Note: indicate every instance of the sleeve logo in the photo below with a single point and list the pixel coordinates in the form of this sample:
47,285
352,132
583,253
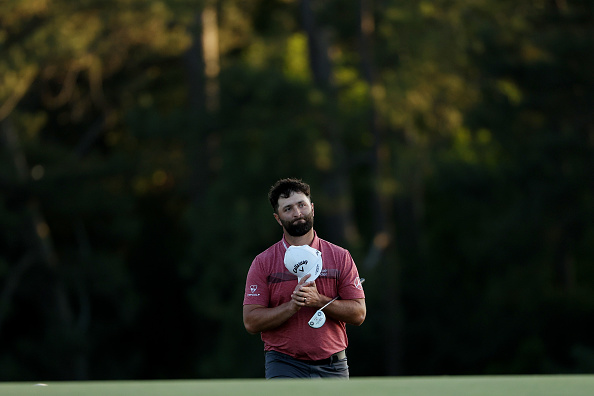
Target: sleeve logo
253,289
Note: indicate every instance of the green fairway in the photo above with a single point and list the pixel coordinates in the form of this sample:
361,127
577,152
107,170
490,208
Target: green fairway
562,385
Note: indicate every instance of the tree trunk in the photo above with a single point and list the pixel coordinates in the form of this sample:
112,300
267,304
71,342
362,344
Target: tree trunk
60,316
383,250
203,68
210,46
336,182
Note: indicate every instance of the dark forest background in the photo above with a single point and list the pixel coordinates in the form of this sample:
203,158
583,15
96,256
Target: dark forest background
449,145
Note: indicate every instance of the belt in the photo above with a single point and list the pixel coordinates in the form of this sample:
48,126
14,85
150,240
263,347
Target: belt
332,359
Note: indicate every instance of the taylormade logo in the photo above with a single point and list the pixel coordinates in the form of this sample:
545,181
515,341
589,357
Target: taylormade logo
304,262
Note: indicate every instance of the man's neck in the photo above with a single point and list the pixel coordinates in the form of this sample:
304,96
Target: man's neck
306,239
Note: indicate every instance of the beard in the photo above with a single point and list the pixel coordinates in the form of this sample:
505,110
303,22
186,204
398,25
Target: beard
297,228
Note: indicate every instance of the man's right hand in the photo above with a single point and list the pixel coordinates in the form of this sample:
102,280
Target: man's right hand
257,318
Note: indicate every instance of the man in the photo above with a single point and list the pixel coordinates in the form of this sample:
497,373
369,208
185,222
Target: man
279,307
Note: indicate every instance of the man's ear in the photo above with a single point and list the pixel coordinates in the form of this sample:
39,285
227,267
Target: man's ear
277,219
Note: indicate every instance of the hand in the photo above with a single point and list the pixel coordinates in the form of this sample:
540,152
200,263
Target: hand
306,294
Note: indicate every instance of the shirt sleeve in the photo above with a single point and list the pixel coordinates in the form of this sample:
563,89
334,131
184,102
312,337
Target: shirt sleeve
256,286
350,287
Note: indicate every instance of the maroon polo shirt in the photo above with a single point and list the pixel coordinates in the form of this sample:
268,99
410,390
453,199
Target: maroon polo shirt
270,284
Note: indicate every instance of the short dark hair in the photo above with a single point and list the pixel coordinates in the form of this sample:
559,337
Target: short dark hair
284,188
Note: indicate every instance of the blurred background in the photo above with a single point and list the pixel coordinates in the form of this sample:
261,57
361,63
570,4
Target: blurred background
449,145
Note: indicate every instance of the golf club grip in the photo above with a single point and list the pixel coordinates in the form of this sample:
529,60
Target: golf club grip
334,299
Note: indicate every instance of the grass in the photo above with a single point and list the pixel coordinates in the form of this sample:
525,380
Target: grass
553,385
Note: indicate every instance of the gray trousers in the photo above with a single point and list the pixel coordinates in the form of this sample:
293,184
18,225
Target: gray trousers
279,365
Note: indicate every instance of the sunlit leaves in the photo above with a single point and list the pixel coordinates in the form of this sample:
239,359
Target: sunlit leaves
296,58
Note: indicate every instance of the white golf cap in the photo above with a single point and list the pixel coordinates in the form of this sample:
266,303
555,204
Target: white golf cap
303,260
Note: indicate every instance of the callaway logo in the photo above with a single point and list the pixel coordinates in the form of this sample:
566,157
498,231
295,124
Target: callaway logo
302,263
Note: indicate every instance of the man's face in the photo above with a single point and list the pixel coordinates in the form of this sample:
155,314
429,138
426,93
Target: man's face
295,214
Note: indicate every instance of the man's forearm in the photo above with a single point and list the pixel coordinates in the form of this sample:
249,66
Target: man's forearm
257,319
348,311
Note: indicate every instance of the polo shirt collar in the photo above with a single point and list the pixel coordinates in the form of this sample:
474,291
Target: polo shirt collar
315,243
